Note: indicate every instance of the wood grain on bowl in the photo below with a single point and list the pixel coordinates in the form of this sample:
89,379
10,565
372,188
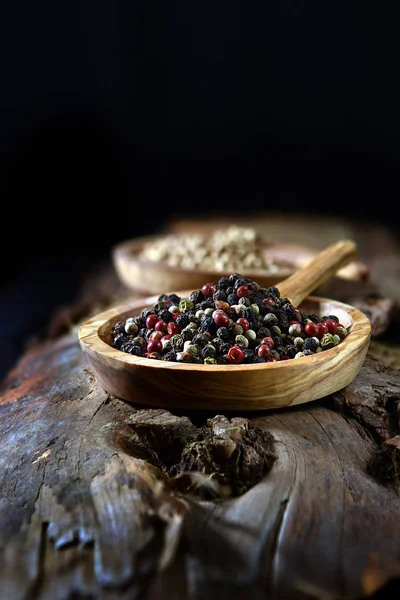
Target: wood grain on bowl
225,387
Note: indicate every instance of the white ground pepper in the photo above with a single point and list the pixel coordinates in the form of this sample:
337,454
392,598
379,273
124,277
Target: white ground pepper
231,249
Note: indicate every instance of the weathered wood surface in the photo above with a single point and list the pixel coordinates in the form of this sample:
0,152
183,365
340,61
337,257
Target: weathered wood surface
93,506
83,513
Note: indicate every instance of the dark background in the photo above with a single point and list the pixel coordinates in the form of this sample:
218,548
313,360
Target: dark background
118,116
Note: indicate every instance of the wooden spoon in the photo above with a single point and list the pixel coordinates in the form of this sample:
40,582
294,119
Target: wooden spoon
236,387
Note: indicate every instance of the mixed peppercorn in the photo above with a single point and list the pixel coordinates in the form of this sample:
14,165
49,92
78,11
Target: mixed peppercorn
232,322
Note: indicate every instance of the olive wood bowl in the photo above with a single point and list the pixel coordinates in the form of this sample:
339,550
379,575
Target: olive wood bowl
235,387
154,277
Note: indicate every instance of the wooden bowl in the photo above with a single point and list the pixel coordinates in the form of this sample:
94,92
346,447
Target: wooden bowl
152,277
225,387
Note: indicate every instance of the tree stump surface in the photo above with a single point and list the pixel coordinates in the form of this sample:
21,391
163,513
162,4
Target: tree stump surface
104,500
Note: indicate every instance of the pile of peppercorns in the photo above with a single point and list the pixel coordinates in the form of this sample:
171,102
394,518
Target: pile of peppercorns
232,322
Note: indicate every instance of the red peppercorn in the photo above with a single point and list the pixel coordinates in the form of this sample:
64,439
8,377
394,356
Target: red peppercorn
155,335
285,357
244,323
154,346
269,341
332,326
154,355
208,289
151,321
165,337
235,355
173,328
264,351
175,315
322,330
243,291
311,329
161,326
272,359
221,319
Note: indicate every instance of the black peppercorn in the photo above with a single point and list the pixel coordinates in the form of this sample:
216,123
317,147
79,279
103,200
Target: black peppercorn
206,304
165,315
200,339
250,315
273,291
263,332
291,350
224,348
170,356
232,299
174,299
207,323
223,333
248,356
332,317
136,350
223,283
208,351
119,327
119,340
310,344
182,320
253,286
219,295
196,296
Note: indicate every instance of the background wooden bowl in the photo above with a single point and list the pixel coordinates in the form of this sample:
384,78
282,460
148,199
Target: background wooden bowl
156,277
225,387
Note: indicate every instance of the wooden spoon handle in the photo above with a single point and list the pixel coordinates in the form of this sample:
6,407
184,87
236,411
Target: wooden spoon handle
300,285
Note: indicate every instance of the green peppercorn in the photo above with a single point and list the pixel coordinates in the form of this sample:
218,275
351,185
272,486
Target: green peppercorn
191,348
276,355
295,330
255,308
341,332
191,326
299,355
337,339
316,340
250,334
327,341
298,341
241,340
209,311
271,319
319,349
210,361
173,308
185,357
275,330
240,309
131,326
166,345
185,304
200,313
176,339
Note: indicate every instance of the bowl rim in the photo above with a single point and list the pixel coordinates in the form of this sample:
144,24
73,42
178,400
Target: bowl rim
90,338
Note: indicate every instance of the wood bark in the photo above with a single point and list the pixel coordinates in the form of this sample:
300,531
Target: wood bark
101,499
